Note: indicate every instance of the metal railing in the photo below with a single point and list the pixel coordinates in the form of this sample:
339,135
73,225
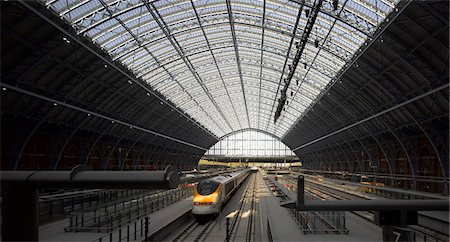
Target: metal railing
57,206
115,216
311,222
138,229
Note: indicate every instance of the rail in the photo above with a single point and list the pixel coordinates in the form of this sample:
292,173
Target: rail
56,206
310,222
421,232
118,215
248,200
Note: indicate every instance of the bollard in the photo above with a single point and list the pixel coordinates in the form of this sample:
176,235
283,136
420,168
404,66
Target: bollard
300,191
146,227
134,230
128,232
51,209
62,206
98,219
227,236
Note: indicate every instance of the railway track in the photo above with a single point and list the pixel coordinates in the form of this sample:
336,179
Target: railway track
325,192
241,226
195,231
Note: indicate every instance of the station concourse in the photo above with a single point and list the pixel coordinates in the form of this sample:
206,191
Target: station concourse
233,120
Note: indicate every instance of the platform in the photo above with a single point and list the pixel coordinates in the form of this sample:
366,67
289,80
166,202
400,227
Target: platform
158,220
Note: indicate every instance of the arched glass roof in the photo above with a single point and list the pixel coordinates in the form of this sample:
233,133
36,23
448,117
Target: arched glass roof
221,62
249,143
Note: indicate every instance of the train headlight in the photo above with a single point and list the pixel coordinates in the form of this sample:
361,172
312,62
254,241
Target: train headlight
196,203
208,203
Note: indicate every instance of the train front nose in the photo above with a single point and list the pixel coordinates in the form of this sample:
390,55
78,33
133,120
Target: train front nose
205,209
201,210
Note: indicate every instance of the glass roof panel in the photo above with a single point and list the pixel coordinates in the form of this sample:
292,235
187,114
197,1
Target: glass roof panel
224,67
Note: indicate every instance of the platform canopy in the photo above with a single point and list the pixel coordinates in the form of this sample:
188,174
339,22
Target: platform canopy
222,62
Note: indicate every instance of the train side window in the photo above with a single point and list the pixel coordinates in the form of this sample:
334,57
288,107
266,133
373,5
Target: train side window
207,187
228,187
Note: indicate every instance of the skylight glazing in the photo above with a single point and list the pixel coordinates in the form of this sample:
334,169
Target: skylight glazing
221,61
250,143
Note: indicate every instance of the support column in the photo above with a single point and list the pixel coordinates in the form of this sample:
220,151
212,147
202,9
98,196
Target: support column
20,210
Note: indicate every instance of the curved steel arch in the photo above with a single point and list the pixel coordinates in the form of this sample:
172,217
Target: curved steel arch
128,29
249,129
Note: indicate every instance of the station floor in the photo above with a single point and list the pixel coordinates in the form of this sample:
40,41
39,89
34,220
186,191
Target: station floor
283,226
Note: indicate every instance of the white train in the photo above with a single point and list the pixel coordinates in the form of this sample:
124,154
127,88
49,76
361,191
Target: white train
211,194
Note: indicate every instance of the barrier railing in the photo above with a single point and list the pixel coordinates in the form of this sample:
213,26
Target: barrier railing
311,222
118,215
57,206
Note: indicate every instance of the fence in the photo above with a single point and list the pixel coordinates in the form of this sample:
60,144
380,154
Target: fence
116,216
56,206
311,222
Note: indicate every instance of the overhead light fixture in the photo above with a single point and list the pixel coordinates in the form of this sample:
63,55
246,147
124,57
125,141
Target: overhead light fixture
335,4
300,47
66,40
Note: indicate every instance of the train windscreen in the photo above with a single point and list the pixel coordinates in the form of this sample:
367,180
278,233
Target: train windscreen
207,187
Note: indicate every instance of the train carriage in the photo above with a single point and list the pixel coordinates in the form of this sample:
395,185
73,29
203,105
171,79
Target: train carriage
211,194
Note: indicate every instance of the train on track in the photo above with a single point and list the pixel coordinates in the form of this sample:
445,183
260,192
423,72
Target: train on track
211,194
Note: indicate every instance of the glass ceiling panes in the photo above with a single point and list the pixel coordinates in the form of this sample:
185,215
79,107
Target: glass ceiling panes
186,51
250,143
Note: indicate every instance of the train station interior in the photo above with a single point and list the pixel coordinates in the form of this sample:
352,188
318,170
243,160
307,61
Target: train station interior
224,120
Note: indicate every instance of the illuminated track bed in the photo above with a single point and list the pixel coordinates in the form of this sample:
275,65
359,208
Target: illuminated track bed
241,225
